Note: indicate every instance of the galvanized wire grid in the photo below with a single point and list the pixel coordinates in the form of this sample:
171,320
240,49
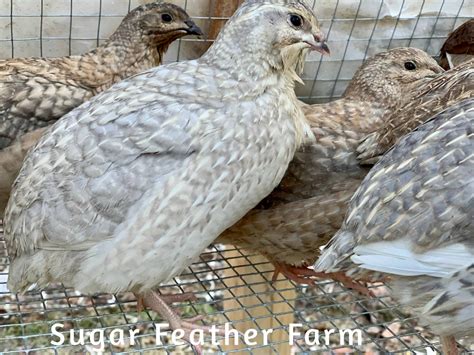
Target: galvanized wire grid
26,320
356,29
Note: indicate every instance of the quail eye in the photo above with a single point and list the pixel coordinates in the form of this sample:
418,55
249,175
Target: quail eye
410,66
296,20
166,18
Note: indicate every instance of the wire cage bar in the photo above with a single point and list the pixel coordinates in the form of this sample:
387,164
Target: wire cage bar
356,29
231,285
324,315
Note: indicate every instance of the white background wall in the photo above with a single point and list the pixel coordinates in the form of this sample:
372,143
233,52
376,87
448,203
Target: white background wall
356,29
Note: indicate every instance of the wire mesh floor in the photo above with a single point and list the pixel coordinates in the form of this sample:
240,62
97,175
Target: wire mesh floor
232,286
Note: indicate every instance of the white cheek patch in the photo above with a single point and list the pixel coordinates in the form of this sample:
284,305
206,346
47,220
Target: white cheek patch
397,257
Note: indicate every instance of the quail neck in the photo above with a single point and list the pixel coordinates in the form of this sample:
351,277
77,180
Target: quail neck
122,55
254,55
113,63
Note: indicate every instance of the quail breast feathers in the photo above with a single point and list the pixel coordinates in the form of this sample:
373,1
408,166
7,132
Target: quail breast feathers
126,191
308,207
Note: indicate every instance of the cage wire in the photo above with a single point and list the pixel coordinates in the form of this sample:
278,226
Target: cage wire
356,29
231,285
223,291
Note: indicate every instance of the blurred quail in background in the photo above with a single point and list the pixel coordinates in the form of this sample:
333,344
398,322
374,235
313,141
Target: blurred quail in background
459,47
411,223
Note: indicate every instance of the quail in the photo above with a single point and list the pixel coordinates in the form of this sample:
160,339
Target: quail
124,192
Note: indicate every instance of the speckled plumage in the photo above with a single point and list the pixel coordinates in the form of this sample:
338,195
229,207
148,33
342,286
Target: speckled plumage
430,98
128,189
446,304
11,159
308,207
220,11
35,92
412,218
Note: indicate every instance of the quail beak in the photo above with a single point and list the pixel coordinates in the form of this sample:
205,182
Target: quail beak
317,42
193,29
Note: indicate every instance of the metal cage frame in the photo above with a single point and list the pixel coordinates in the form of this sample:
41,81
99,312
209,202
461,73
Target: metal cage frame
227,280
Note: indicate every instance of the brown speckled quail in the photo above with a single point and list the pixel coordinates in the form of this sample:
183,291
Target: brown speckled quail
308,207
35,92
412,222
430,98
124,192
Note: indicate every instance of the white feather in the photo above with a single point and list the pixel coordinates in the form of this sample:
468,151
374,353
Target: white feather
3,284
397,257
450,61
